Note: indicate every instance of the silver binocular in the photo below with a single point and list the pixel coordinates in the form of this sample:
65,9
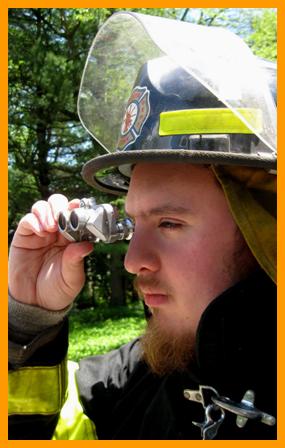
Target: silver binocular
92,222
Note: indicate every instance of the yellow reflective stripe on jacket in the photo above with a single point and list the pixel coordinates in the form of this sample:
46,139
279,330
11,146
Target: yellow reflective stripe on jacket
209,121
37,390
73,424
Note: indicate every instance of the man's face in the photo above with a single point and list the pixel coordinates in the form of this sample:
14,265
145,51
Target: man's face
186,248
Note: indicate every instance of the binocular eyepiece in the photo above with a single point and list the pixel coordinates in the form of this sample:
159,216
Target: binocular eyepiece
92,222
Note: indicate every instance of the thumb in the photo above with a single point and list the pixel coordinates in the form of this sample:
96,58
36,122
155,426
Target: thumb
74,253
73,264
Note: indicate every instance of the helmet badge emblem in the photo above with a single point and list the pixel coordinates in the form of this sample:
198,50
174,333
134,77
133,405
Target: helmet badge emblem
137,112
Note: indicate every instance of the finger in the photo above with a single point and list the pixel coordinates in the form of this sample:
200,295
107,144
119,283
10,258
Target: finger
74,203
29,225
43,212
58,203
28,232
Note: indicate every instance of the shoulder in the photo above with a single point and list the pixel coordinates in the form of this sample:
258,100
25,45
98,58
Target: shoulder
110,371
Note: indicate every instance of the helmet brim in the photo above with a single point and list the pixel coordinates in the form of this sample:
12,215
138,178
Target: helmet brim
103,172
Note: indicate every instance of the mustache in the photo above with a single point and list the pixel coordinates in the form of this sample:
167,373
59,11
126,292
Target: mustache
141,283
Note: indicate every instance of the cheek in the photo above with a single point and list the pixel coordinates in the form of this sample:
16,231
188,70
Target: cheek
187,264
199,262
194,264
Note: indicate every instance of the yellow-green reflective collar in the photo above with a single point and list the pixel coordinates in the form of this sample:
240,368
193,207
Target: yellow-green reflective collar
73,424
209,121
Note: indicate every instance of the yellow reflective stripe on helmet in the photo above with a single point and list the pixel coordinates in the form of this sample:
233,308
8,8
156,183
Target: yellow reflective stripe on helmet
209,121
73,424
37,390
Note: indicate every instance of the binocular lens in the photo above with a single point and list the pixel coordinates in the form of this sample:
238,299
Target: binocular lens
62,224
74,220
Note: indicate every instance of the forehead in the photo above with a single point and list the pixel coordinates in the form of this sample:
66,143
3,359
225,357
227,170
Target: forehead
179,185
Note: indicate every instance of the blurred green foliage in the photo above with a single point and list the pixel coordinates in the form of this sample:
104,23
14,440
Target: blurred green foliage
95,331
263,40
47,144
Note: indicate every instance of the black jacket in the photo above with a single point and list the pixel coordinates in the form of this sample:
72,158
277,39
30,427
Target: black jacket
235,352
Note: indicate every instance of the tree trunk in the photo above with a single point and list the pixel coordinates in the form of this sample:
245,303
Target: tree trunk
42,165
117,281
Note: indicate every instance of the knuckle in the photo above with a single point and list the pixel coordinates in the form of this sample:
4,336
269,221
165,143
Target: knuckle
39,205
27,222
57,200
57,197
57,203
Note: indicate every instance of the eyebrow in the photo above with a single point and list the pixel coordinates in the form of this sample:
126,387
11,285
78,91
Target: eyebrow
167,209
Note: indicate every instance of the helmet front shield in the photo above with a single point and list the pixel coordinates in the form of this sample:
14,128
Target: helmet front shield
125,61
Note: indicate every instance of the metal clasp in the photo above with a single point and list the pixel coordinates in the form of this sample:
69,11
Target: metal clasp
212,402
244,410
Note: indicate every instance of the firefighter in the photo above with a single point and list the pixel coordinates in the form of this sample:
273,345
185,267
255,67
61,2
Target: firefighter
187,116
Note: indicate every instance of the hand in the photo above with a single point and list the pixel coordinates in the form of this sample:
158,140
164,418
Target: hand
45,269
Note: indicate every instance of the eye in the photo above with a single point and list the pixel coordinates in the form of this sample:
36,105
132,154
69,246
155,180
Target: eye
171,225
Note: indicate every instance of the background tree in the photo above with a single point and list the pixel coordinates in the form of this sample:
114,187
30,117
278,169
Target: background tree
263,40
257,26
47,143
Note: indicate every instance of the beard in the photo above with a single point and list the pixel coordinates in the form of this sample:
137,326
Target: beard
167,348
165,351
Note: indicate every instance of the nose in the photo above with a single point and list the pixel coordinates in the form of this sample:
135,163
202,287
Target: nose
142,254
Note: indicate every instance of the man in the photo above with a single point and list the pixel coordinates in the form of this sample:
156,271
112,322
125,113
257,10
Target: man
201,194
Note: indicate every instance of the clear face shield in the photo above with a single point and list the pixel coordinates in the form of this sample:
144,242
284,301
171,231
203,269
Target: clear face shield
216,58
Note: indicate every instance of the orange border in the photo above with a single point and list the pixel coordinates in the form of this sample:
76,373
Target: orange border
3,221
4,5
138,4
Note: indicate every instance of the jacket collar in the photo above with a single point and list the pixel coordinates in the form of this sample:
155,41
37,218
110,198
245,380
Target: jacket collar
236,338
